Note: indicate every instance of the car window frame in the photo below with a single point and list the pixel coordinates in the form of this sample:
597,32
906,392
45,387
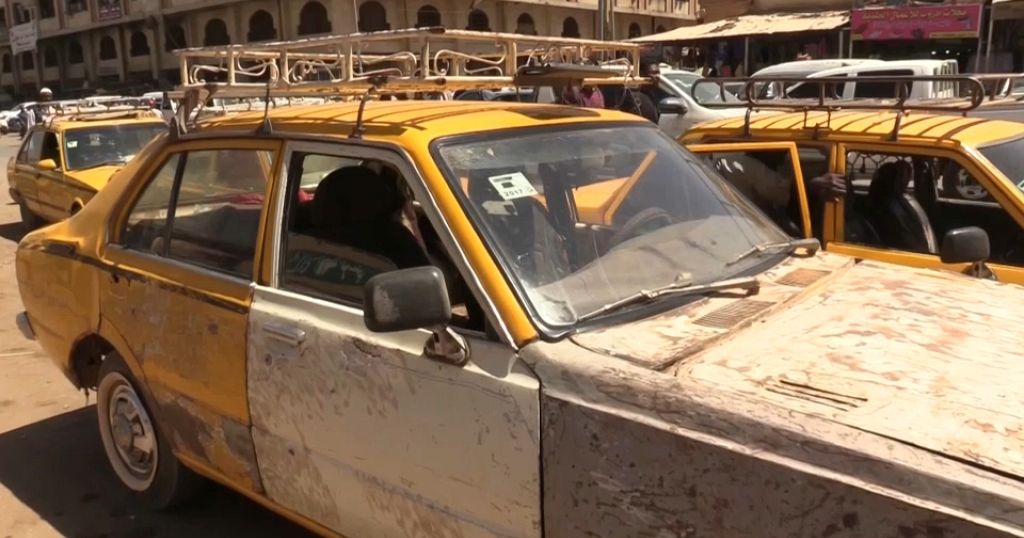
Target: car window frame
27,144
794,155
166,266
273,242
1009,198
60,150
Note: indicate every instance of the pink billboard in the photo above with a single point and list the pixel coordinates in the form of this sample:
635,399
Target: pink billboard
916,22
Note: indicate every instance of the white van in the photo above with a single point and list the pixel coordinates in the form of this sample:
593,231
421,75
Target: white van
859,89
802,68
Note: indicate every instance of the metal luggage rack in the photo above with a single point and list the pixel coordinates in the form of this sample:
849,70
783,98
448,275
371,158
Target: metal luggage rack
416,60
969,92
116,112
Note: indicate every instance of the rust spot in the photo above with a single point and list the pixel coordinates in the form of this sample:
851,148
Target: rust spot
213,328
220,442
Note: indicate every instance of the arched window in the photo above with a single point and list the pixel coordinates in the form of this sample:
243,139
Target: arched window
660,29
428,16
174,37
27,61
313,19
216,33
478,21
108,49
373,17
7,63
570,28
138,45
524,25
75,55
634,30
50,56
261,26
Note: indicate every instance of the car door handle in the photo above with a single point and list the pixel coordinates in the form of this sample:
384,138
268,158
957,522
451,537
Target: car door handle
289,335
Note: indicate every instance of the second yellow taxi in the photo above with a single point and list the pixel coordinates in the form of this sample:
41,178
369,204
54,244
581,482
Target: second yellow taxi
65,161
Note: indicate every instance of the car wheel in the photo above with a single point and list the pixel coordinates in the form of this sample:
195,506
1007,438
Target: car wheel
135,448
28,218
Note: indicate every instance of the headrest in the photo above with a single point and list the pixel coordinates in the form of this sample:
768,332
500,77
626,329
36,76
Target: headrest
353,194
891,180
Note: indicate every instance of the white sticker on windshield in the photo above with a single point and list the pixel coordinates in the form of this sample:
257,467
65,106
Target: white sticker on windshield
72,144
512,186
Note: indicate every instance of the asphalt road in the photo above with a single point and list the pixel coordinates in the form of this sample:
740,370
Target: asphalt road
54,477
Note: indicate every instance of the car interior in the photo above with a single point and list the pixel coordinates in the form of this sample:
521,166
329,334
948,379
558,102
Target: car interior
348,220
898,203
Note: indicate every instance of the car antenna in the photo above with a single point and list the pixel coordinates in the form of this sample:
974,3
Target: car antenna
266,128
375,84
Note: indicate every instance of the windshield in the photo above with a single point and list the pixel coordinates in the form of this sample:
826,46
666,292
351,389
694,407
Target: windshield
706,92
114,144
1006,157
583,217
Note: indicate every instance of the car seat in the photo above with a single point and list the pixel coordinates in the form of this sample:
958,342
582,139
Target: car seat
895,215
355,206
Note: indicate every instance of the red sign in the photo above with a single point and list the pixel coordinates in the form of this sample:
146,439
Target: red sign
918,22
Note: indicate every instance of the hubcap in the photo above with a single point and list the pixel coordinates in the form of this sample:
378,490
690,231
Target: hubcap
128,433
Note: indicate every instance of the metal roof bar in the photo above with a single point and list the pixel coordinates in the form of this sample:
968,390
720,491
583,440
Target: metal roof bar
971,94
428,59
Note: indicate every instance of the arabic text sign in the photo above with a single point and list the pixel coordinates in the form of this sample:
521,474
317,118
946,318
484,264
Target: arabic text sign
908,23
23,37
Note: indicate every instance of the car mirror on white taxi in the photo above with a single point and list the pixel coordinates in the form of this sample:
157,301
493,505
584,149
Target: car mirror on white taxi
406,299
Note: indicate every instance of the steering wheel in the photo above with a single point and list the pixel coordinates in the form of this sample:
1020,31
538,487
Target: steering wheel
651,218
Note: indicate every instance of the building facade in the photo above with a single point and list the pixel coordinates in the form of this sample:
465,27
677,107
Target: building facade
83,45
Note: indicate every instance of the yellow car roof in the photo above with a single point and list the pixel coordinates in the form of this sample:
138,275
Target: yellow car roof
421,120
869,125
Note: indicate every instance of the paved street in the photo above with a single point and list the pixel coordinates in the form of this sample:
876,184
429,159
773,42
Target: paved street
54,477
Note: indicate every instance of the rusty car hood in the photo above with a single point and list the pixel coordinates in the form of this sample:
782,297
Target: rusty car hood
926,358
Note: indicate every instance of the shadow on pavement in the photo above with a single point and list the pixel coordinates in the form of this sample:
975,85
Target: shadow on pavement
58,469
13,231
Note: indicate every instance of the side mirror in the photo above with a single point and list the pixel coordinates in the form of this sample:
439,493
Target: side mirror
47,165
672,105
965,245
406,299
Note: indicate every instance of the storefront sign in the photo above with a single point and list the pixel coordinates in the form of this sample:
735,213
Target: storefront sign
23,37
108,9
916,22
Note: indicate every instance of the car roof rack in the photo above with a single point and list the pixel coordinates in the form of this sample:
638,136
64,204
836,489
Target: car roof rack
411,60
969,92
429,60
77,114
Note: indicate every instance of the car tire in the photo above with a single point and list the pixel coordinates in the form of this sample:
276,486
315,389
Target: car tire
28,218
135,447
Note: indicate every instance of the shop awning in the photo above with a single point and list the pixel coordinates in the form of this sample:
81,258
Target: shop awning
754,25
1008,9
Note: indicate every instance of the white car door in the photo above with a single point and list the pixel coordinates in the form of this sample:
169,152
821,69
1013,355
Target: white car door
360,431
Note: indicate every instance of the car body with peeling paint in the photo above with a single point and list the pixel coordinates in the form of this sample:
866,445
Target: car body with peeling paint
412,332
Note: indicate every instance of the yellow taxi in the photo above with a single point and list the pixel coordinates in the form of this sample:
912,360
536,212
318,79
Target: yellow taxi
908,182
63,163
396,318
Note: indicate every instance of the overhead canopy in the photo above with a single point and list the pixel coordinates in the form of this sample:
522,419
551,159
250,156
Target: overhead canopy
754,25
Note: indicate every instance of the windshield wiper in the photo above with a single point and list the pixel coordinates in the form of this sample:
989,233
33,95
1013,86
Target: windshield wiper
810,245
682,286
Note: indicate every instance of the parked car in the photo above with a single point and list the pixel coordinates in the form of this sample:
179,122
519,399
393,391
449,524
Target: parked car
63,163
956,172
504,364
680,109
803,68
10,122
